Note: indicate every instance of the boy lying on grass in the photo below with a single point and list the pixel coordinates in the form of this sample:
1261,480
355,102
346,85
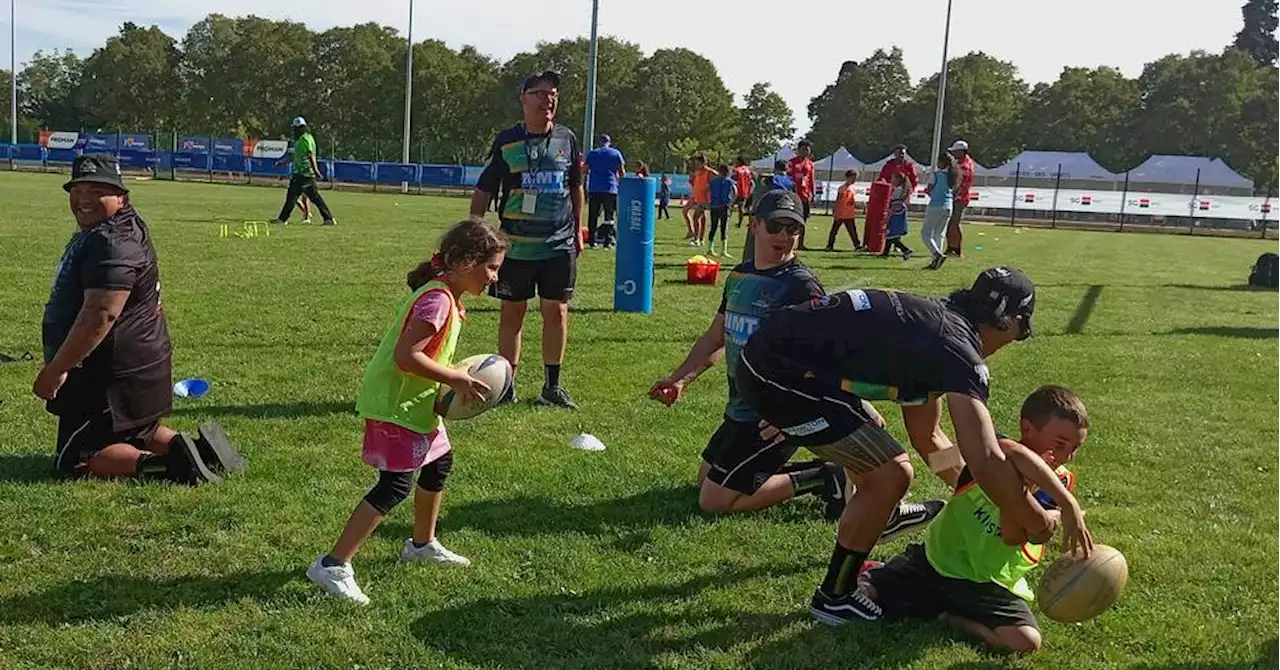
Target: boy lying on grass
971,570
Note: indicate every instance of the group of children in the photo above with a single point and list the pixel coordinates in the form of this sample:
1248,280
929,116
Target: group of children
970,570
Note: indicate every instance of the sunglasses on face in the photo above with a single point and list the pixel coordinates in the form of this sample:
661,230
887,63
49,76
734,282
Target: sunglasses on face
791,227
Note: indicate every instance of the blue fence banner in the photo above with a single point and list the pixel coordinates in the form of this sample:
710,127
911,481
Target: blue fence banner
471,176
396,173
29,152
61,155
229,146
97,143
352,171
229,162
193,144
633,272
267,166
441,175
136,142
137,159
191,160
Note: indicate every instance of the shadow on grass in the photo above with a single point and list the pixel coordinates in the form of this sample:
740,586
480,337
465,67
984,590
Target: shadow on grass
639,627
1267,659
112,596
27,468
1234,287
293,410
1243,332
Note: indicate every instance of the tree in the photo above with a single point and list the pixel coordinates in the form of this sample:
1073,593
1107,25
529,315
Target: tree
359,93
452,122
985,100
858,110
1258,36
46,89
131,83
765,121
679,94
1088,110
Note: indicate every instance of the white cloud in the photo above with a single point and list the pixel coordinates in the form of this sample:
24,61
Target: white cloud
798,50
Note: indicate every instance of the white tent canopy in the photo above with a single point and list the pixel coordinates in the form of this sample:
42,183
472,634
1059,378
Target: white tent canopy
1162,169
839,161
784,153
1076,165
878,165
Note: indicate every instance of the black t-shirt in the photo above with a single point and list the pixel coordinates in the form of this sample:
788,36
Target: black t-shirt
887,345
532,175
116,254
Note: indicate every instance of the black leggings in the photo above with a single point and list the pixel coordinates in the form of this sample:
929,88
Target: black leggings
298,186
719,217
662,211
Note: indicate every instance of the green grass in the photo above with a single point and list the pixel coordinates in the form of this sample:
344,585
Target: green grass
601,560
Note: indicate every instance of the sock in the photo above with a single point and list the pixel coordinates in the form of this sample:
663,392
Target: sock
416,545
808,481
842,572
553,375
329,561
153,466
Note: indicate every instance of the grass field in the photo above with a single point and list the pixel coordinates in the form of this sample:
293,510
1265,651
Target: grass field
601,560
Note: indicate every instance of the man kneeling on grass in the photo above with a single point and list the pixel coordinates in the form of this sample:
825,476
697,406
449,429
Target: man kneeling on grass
971,570
107,360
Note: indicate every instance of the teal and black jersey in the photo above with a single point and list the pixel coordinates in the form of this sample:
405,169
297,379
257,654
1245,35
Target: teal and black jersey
749,295
533,175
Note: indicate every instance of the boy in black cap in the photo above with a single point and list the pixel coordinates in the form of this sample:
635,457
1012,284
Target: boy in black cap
810,370
107,373
535,172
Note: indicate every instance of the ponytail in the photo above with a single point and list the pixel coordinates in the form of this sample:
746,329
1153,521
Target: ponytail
426,271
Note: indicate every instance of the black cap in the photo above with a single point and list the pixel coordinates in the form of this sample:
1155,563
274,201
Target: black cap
1002,292
548,76
780,204
97,168
899,146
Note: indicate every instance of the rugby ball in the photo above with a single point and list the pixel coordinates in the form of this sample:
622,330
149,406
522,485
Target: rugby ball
493,370
1077,589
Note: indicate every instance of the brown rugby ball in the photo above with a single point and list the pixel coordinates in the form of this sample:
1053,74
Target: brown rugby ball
1078,589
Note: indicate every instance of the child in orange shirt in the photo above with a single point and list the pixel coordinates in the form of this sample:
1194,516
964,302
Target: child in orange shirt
846,209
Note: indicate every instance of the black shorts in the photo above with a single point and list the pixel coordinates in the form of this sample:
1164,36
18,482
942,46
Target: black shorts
740,201
909,587
550,278
740,460
805,203
598,201
816,412
80,436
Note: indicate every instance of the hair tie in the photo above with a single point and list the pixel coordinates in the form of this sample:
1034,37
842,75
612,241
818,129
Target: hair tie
437,262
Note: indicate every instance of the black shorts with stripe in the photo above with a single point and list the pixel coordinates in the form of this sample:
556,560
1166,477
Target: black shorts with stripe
816,412
740,459
82,435
908,587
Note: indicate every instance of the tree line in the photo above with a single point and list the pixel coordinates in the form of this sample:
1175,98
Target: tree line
248,76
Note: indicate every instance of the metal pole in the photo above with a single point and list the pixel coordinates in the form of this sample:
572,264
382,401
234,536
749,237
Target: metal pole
1056,181
1124,197
589,127
942,91
408,97
1195,196
831,167
13,73
1013,205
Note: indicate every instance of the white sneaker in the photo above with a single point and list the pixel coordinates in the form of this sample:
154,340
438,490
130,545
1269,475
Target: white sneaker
432,552
306,219
340,580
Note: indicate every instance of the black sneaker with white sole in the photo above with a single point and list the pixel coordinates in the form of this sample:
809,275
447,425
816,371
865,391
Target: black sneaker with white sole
911,516
855,605
184,464
216,450
555,396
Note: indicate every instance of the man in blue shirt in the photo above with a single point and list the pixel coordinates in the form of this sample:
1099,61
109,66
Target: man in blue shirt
604,167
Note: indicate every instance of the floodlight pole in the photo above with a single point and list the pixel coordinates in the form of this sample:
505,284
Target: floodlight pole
408,98
13,72
942,92
589,127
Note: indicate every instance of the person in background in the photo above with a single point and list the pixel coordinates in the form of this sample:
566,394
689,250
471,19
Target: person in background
664,197
744,180
955,237
936,215
305,173
800,169
305,206
723,195
642,169
900,164
604,168
898,200
845,211
700,181
770,182
535,169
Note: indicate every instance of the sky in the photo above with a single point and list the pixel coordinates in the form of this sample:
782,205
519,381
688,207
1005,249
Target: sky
749,40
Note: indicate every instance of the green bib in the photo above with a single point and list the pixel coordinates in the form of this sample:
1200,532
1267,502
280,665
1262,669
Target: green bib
964,543
389,394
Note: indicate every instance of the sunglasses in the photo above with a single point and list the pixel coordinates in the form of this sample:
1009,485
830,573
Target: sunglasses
791,227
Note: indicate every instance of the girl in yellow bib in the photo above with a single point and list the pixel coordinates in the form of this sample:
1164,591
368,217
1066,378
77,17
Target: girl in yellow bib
402,432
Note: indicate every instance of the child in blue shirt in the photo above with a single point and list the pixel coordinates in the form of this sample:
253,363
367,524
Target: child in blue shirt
723,193
664,196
